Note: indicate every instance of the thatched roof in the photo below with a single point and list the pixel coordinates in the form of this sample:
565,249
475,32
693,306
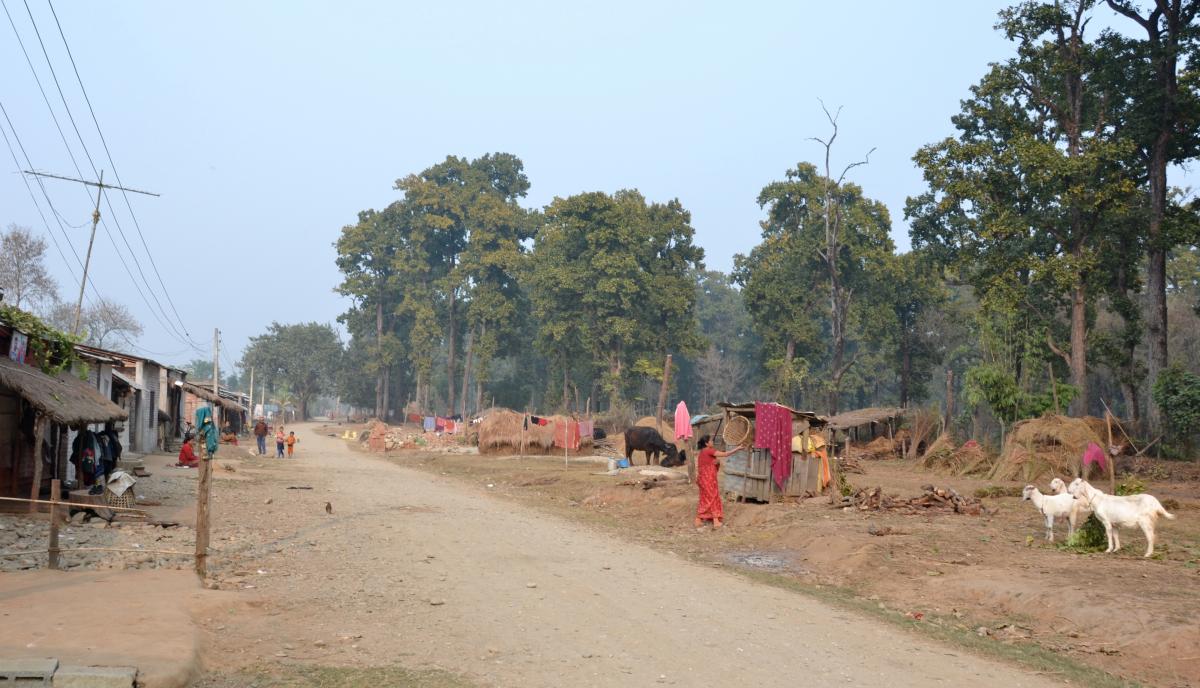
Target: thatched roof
63,398
853,419
208,396
501,432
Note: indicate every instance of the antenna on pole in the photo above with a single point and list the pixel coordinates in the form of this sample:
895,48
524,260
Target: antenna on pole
100,187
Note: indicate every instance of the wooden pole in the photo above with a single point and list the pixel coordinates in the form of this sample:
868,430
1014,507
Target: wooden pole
39,427
1053,387
948,419
835,494
78,505
1108,455
205,484
55,496
662,392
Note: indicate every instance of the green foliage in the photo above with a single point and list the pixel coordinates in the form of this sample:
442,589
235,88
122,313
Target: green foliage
53,350
996,387
1131,485
1177,393
1089,537
305,358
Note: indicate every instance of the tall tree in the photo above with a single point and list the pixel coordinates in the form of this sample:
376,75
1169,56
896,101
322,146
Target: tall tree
1024,193
1165,124
24,279
305,357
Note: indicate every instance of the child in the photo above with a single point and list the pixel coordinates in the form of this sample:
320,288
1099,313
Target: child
187,457
291,443
279,441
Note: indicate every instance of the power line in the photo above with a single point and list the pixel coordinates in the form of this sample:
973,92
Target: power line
137,225
170,329
132,254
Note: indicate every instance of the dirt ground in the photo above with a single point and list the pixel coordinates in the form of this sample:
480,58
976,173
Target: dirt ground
992,576
446,582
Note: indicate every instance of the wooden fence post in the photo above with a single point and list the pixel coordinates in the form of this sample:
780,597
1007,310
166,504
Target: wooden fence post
202,492
55,496
39,427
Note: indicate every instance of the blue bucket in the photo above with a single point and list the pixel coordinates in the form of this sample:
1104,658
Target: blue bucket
622,463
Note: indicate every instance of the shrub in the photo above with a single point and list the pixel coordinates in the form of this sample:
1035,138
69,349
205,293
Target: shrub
1177,393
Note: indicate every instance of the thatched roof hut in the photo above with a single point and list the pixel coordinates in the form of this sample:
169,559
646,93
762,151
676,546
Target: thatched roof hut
1051,446
501,432
62,398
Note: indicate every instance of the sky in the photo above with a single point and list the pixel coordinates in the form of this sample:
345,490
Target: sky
265,127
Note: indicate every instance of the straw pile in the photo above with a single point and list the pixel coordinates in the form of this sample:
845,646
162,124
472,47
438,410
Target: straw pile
500,432
876,449
923,424
969,459
668,426
1050,446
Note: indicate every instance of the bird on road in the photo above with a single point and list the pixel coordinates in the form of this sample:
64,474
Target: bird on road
328,508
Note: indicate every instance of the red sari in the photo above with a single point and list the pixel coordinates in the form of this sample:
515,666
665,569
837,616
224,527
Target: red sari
709,507
187,457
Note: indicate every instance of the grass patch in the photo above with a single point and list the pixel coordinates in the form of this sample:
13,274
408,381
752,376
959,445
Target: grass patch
1089,537
997,491
298,676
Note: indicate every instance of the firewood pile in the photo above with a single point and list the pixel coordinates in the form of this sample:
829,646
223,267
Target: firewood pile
849,464
932,499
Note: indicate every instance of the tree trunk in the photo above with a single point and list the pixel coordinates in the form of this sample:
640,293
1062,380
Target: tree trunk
302,402
451,353
1079,406
1130,392
466,376
380,375
948,422
387,392
905,368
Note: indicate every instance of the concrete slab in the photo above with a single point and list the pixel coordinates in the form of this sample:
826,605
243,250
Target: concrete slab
94,677
27,671
111,618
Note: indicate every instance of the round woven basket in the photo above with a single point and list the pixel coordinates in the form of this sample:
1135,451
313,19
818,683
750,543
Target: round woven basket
739,432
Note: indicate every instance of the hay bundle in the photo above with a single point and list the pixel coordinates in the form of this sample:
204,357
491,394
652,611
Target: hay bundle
668,427
1050,446
969,459
500,432
923,424
878,448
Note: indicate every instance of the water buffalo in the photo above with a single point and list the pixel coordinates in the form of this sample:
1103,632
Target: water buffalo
649,442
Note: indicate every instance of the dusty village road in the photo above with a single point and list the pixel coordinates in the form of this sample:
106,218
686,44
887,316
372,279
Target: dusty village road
414,570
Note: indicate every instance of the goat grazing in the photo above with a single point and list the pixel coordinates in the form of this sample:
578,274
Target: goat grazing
1140,510
1053,506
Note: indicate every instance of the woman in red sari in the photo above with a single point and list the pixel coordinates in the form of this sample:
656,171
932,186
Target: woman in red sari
707,463
187,457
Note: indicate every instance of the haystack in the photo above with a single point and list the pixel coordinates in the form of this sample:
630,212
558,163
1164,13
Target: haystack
500,432
1050,446
668,427
968,459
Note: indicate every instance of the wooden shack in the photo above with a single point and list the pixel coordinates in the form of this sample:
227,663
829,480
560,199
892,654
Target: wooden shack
747,474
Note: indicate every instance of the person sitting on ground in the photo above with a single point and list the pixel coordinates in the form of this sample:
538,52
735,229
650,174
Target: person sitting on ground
187,457
291,443
709,508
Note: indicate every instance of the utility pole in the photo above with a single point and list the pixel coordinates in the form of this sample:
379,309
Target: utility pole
251,409
100,187
205,484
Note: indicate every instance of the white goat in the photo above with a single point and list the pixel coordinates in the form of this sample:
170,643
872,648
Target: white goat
1052,506
1140,510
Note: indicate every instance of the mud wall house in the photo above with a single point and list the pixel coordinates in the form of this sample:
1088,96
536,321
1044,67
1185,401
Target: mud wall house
228,404
170,406
137,383
38,412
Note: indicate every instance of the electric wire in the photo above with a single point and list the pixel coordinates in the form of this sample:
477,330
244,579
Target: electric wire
132,254
104,142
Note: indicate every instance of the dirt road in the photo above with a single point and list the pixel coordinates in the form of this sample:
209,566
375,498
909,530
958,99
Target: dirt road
415,570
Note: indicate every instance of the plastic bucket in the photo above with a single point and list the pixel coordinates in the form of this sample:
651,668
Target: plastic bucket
623,463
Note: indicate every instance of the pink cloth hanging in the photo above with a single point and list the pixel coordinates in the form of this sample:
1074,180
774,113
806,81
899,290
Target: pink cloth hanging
683,422
1094,455
773,431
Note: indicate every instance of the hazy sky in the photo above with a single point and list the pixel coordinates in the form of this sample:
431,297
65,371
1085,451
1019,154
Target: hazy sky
267,126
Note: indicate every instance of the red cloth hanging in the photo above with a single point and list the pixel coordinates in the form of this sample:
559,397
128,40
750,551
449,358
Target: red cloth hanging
773,432
566,434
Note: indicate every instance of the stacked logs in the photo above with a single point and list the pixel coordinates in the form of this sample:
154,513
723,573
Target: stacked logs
932,499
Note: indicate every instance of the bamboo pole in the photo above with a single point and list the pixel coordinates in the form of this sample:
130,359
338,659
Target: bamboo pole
1108,457
662,393
55,496
97,549
78,505
39,427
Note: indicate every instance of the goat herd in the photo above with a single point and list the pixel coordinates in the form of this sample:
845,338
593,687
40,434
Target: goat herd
1079,499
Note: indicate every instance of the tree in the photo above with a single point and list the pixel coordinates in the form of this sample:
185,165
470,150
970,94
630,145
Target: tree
102,322
24,280
611,287
814,276
1021,200
305,358
199,369
914,292
1164,123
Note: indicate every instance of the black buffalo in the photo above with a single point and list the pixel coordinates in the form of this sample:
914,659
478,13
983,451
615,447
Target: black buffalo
649,442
